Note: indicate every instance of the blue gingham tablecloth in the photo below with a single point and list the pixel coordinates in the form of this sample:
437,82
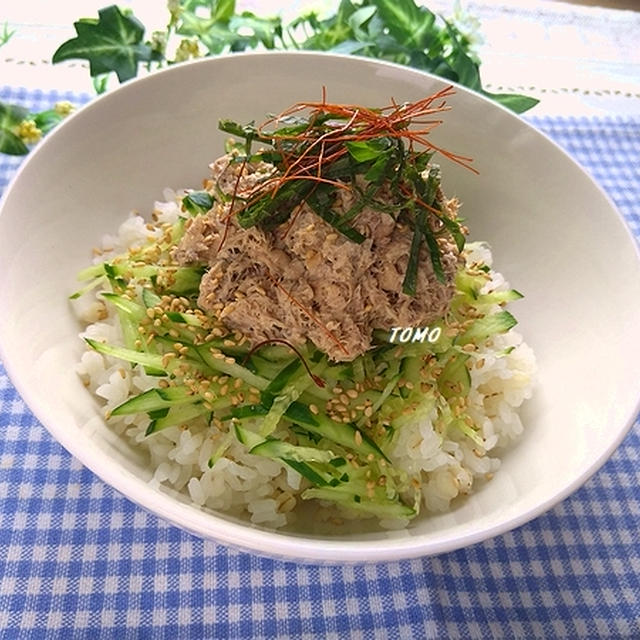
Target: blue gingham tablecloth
78,560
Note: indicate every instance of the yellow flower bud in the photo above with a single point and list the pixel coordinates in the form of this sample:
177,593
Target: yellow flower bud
63,108
187,49
28,132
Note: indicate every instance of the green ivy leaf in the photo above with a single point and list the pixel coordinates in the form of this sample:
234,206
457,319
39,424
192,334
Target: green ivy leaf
113,42
11,144
466,69
513,101
47,120
11,115
411,25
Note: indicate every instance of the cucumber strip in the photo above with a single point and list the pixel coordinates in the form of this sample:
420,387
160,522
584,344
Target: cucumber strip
485,327
320,424
176,416
130,307
264,368
130,314
498,297
274,448
152,360
92,285
378,506
455,379
184,280
469,284
150,298
306,471
233,369
183,318
280,381
292,386
341,433
220,450
246,411
155,399
297,457
358,370
386,392
91,272
468,431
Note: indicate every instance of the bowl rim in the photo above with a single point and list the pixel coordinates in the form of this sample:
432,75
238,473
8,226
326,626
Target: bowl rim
250,537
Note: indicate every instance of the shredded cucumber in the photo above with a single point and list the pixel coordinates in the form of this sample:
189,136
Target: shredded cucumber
338,436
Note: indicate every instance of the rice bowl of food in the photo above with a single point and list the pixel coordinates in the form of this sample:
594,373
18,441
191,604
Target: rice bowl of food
325,322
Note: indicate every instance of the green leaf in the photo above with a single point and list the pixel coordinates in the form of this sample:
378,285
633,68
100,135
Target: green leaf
11,144
111,43
409,24
256,30
359,19
411,274
223,10
47,120
11,115
197,202
467,70
366,150
517,103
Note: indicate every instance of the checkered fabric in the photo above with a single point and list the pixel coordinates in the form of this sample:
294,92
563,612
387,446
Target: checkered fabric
77,560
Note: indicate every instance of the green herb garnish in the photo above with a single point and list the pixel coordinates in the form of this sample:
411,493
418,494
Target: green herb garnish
320,148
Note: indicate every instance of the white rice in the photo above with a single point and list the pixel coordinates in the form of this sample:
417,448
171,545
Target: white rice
266,491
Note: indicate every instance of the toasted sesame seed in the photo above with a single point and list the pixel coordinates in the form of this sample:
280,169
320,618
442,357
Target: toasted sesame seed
357,438
368,412
352,393
314,409
166,358
224,389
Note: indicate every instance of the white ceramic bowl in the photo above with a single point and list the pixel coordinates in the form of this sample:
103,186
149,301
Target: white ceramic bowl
555,235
